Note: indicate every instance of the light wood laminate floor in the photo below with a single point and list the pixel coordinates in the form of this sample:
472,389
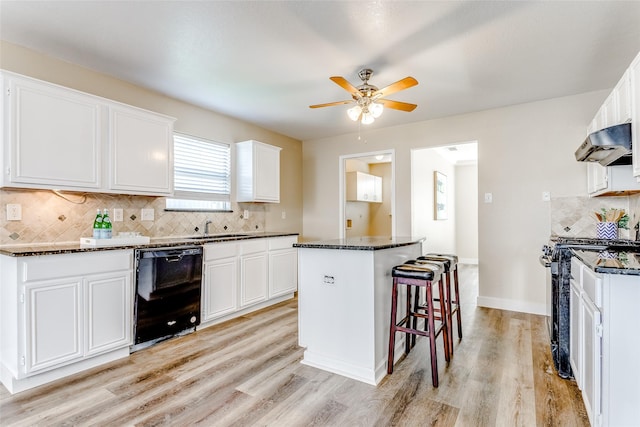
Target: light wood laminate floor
246,372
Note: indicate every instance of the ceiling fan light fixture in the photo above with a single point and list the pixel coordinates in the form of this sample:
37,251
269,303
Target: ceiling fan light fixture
367,118
354,112
376,109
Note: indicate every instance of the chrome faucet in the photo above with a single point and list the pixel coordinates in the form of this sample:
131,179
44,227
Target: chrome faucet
206,227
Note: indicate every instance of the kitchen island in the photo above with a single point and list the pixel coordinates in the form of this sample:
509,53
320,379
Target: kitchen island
344,303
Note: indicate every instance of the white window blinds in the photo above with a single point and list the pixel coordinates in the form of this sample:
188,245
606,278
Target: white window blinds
202,171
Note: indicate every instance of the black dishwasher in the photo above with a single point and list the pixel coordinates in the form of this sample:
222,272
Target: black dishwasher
167,301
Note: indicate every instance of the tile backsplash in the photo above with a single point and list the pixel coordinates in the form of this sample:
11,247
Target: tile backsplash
50,218
573,216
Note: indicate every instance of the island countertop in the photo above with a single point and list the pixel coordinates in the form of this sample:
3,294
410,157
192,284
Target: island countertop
366,243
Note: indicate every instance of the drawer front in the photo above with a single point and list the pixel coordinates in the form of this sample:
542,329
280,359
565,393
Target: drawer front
592,285
282,242
253,246
220,250
67,265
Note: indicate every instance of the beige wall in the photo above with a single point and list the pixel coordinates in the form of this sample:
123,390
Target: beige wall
467,213
190,120
523,150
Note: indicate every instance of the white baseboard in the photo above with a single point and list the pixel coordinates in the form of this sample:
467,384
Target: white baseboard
512,305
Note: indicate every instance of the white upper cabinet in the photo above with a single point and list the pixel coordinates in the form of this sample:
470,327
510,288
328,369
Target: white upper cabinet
257,172
363,187
52,136
141,151
59,138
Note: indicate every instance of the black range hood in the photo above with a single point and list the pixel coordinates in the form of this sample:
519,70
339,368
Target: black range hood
609,147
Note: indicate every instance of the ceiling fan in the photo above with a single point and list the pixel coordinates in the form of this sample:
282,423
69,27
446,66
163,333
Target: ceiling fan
369,100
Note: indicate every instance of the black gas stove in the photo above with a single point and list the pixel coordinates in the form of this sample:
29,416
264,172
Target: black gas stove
556,256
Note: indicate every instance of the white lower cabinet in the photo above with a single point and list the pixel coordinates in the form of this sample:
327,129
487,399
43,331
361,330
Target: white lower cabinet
253,272
575,332
220,282
53,330
283,266
108,302
246,275
585,353
61,310
604,308
591,359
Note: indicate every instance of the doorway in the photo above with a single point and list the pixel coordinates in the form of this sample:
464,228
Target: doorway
367,200
444,199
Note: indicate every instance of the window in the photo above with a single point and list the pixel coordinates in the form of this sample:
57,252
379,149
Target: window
202,171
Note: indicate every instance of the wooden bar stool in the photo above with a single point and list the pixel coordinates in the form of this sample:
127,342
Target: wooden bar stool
417,276
453,301
440,309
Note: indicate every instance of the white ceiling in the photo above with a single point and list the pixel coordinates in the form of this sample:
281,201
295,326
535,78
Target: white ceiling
265,62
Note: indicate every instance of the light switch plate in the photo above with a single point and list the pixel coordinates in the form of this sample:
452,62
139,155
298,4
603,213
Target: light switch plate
546,196
14,212
147,215
488,197
117,215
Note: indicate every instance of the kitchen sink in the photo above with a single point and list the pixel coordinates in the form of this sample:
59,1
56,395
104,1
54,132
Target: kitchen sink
217,236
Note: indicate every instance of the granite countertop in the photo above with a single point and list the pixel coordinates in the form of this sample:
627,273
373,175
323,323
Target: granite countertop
161,242
613,260
367,243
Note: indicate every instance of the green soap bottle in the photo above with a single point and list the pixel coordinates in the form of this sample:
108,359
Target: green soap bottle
106,225
97,226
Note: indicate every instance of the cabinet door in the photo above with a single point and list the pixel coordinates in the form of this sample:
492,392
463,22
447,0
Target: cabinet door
377,188
54,137
610,110
257,172
283,272
596,177
109,312
53,324
267,173
623,92
575,333
220,288
591,359
141,151
253,278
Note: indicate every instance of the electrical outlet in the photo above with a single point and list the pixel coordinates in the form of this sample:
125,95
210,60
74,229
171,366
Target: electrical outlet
147,215
117,215
14,212
246,214
284,214
329,280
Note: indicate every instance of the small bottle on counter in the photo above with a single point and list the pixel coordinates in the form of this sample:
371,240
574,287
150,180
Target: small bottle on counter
97,226
106,225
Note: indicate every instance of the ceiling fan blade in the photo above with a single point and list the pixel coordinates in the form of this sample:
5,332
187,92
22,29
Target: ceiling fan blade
403,84
343,83
397,105
331,104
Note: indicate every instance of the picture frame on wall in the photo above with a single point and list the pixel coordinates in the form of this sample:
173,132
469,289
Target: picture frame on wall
440,195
